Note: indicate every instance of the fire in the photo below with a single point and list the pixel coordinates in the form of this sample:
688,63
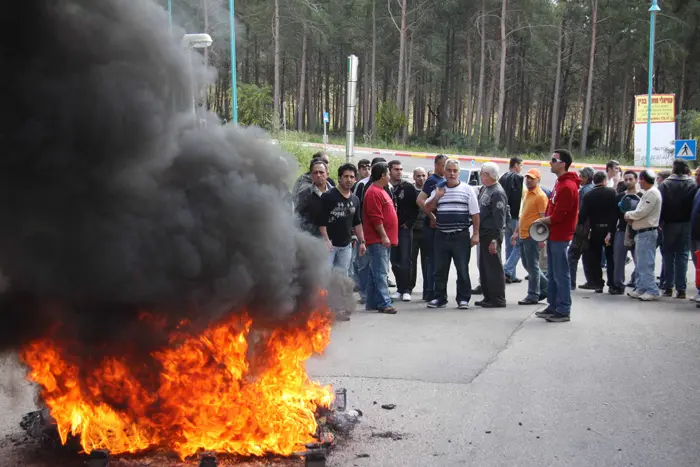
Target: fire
211,393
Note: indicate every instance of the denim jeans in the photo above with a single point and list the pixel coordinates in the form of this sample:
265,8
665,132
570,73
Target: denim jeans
645,251
341,257
429,273
558,277
361,272
536,281
513,253
401,261
377,285
675,255
449,248
620,252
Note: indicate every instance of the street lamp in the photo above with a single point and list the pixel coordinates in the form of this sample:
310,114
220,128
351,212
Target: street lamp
195,41
653,10
234,90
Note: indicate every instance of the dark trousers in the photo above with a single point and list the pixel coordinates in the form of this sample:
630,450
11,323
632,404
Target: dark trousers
401,261
573,255
676,246
593,257
429,273
417,245
449,248
491,275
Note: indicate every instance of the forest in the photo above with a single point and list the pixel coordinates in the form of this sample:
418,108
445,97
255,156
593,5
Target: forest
491,76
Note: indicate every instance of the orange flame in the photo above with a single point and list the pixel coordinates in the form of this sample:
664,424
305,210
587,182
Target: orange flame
210,394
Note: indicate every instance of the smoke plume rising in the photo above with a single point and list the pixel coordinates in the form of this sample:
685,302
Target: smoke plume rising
114,202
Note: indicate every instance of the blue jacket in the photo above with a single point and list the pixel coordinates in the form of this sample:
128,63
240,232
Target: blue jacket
695,218
582,191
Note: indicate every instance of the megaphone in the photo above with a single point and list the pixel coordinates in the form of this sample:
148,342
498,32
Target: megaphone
539,232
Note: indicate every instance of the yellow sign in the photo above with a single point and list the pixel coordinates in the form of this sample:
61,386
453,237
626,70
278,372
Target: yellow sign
663,108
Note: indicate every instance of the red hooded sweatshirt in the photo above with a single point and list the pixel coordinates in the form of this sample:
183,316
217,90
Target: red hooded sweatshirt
563,207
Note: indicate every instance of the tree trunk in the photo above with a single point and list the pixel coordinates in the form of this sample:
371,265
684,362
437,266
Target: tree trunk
555,100
681,97
486,125
373,98
311,109
469,86
366,113
407,102
402,57
589,90
276,95
302,83
502,76
574,114
482,74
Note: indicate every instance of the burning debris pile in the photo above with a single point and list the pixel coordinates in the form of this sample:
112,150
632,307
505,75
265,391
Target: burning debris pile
159,293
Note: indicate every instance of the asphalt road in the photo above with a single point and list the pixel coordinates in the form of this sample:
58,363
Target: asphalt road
619,385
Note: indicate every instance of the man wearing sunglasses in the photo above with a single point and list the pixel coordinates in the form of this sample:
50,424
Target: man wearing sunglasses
561,217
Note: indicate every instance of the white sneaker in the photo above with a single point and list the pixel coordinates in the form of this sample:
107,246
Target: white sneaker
634,294
406,297
396,296
696,298
647,297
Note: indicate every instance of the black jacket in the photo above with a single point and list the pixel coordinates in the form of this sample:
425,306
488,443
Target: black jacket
600,209
677,195
512,184
405,195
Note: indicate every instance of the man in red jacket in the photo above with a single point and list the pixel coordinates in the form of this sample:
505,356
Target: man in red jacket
381,226
561,217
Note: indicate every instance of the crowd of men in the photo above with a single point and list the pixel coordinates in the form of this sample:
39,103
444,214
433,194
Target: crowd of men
372,220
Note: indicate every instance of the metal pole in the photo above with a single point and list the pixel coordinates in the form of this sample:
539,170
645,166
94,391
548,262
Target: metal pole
192,86
652,27
351,104
234,91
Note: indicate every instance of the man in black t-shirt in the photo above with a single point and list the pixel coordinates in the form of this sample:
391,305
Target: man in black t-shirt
626,201
339,217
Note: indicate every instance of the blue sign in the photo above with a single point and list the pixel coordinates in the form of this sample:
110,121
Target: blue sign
326,117
686,149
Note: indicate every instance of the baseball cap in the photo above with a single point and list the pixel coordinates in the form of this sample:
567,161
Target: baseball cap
533,173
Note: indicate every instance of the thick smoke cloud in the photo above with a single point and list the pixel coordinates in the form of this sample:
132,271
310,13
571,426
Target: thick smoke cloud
113,202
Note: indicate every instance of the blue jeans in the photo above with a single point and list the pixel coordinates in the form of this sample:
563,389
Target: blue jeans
341,257
536,281
512,252
675,255
377,286
558,277
361,272
429,273
645,251
449,248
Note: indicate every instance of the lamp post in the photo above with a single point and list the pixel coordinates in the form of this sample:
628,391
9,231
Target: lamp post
234,91
653,10
195,41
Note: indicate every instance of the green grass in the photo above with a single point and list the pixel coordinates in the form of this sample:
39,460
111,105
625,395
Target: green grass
295,137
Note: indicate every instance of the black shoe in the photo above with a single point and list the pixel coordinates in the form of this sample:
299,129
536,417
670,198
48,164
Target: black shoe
557,318
436,304
545,313
599,290
631,285
681,295
541,297
588,286
573,286
485,304
615,291
476,290
513,280
527,301
667,293
390,310
527,278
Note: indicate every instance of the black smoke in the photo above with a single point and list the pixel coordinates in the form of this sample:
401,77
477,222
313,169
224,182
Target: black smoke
114,202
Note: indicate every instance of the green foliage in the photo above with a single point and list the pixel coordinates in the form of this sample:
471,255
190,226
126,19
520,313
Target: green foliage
303,156
690,123
389,121
255,105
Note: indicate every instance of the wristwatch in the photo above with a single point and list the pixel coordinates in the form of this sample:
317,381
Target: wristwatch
362,242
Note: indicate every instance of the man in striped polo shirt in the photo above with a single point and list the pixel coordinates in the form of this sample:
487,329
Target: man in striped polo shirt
457,209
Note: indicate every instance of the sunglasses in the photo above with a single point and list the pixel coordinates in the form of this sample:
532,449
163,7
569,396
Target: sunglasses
555,160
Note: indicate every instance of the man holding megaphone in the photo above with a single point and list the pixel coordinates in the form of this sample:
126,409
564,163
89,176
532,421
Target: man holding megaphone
561,217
